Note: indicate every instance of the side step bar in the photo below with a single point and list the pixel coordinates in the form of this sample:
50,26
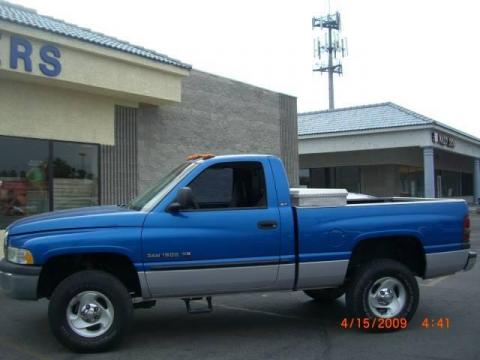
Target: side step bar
144,304
198,310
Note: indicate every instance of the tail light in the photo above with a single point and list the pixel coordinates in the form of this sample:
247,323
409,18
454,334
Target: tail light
466,229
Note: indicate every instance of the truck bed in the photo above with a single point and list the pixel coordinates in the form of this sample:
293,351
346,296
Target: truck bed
337,229
330,234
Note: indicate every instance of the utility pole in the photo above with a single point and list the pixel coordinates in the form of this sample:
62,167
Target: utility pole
333,47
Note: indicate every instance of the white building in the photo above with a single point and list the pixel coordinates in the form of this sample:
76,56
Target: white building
385,149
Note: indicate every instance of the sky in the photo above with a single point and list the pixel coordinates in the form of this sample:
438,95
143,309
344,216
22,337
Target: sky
420,54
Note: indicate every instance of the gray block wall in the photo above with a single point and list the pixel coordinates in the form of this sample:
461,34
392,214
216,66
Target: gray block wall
118,163
216,115
289,138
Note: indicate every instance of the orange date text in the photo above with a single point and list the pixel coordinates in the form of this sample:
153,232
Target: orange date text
374,323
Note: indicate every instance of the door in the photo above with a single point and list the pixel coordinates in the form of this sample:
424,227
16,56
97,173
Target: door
228,241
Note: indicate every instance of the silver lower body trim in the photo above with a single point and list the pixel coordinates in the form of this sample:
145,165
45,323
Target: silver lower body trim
210,281
286,277
445,263
321,274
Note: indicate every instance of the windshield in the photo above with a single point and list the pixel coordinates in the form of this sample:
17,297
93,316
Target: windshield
158,190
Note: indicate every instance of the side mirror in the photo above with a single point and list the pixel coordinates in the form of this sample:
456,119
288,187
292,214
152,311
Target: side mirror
183,200
174,207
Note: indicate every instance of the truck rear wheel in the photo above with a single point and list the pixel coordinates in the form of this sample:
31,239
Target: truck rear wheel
382,289
325,294
90,311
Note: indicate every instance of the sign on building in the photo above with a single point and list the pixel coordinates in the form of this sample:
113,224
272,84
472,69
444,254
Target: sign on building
443,139
23,56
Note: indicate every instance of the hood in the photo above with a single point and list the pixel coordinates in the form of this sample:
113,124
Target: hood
89,217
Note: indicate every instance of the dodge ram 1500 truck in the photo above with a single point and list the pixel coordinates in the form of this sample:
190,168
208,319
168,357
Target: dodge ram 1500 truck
226,224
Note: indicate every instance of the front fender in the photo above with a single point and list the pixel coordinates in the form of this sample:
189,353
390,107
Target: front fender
119,240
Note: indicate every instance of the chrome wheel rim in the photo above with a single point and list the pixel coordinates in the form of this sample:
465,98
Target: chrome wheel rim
387,297
90,314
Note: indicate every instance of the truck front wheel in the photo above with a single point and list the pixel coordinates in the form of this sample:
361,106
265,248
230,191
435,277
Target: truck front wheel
382,289
90,311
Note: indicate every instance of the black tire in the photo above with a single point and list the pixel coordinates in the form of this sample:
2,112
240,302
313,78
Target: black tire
90,281
325,295
363,282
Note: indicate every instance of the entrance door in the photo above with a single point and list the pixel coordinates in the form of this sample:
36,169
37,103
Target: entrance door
228,241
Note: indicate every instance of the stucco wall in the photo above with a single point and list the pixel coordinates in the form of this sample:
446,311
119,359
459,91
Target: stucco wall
33,110
216,115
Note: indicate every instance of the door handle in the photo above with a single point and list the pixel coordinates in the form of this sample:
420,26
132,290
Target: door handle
267,224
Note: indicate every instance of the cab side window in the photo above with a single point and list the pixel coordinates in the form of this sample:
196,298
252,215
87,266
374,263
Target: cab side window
230,185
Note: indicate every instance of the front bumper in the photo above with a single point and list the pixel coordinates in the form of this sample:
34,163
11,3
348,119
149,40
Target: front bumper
19,281
471,260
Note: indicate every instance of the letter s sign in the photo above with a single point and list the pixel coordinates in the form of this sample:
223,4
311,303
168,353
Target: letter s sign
21,51
50,55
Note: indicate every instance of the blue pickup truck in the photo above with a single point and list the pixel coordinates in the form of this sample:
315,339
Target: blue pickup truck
226,224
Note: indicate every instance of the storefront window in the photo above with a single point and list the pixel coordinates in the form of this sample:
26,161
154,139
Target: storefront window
75,175
450,183
23,178
467,184
319,177
304,177
345,177
25,169
348,177
453,184
411,181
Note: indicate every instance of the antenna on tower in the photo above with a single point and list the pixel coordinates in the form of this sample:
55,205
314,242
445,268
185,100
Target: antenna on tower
333,47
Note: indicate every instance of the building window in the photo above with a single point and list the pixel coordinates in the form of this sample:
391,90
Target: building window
322,178
449,183
467,184
75,175
304,177
453,184
343,177
411,181
348,177
45,175
23,178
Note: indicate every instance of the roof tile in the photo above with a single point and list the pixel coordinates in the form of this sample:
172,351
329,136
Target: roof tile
28,17
367,117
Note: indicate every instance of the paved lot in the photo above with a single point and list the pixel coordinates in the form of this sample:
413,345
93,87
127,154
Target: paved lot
268,326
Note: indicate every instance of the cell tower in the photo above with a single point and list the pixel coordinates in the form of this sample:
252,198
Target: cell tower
329,51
